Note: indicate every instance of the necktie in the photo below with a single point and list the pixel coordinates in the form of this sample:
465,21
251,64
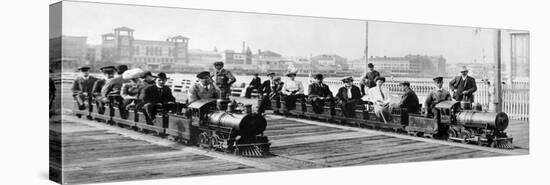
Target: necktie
382,93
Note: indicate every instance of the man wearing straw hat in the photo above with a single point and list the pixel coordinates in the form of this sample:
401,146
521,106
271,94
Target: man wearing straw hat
463,86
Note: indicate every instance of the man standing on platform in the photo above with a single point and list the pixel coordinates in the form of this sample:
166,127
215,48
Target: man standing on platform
463,86
203,89
349,96
436,96
409,100
82,87
319,93
254,84
157,96
369,78
223,80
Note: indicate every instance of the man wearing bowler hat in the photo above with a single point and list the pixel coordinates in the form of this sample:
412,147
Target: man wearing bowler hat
203,88
82,87
463,86
156,96
319,94
434,97
223,79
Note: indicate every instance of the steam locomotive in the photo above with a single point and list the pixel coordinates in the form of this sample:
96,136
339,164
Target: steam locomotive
452,120
219,125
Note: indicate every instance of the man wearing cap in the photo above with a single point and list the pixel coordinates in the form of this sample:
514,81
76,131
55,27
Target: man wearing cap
223,79
108,73
292,90
349,96
254,84
409,100
203,89
463,86
148,78
436,96
369,78
319,93
380,98
82,87
265,91
111,89
156,96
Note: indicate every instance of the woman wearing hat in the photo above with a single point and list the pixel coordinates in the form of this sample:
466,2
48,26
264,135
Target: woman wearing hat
292,90
349,96
130,90
380,97
463,86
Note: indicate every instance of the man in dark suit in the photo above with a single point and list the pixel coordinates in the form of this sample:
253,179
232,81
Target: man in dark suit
265,91
348,97
156,96
82,88
369,79
463,86
254,84
319,94
409,100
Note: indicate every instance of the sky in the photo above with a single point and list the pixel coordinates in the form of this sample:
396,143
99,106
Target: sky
288,35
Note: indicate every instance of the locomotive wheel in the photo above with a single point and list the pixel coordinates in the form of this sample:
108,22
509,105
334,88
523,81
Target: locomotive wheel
451,133
203,140
214,141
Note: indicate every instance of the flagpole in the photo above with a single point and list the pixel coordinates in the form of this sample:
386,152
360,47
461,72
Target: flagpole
366,46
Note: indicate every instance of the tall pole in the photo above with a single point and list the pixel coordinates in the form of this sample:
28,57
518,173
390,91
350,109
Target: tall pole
498,81
366,46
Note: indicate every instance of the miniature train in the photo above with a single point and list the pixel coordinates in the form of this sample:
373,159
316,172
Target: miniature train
454,121
213,124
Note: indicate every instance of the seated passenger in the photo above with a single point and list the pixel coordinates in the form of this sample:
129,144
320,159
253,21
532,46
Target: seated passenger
130,90
436,96
348,97
112,88
256,83
319,93
409,100
203,89
380,98
108,73
265,90
156,96
292,90
148,78
82,87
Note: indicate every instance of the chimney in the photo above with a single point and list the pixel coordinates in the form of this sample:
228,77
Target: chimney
243,47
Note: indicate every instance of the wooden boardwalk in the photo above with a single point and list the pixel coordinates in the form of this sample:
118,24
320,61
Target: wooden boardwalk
95,152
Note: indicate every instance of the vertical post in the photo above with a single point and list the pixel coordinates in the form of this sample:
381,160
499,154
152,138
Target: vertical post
497,99
366,46
512,61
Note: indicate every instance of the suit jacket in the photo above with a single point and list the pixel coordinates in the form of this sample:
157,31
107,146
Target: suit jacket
369,77
81,85
256,82
224,78
197,92
154,94
343,93
409,100
266,87
98,85
463,85
435,97
113,86
319,90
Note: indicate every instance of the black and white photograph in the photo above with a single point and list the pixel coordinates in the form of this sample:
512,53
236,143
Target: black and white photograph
152,92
